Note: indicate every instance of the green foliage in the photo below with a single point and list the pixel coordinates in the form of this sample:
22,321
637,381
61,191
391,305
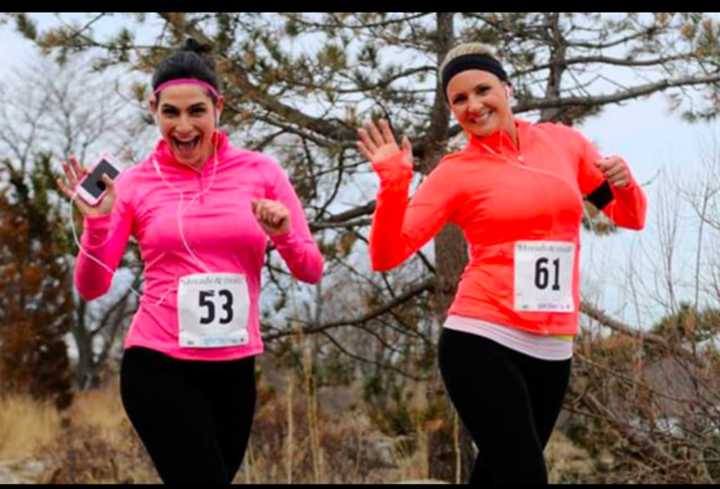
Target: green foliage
26,26
689,325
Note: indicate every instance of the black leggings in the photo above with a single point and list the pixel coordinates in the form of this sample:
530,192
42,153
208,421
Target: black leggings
193,417
507,400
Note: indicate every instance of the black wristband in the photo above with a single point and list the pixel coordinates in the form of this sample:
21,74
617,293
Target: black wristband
601,196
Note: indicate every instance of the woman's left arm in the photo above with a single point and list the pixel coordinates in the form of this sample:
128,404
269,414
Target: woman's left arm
296,245
608,184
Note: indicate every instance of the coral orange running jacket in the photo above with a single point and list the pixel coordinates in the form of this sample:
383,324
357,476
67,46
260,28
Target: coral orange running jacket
520,209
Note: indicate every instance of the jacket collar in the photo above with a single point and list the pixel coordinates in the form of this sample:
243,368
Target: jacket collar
498,142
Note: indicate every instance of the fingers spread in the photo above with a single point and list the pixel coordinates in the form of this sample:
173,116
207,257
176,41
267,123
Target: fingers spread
387,132
367,141
77,168
69,174
364,150
407,146
61,185
375,134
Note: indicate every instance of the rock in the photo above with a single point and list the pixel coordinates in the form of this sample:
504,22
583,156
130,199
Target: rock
21,471
379,451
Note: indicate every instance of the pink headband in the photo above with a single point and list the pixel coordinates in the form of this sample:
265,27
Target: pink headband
187,81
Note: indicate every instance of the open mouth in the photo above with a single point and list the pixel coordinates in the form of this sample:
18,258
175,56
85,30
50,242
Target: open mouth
186,146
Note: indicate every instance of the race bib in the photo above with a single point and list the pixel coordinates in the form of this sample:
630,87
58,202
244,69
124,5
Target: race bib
543,276
213,310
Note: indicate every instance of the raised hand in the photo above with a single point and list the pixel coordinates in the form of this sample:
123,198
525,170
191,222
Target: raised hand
272,215
377,144
74,173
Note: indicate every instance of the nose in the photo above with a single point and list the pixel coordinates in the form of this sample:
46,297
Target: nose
184,124
475,103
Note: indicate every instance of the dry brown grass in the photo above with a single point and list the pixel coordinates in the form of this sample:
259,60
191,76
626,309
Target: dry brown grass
95,443
566,462
25,425
92,442
294,439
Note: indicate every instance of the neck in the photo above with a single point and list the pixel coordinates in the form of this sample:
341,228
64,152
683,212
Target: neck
198,164
512,131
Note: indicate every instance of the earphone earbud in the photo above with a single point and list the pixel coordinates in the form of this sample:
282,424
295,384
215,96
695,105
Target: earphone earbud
157,124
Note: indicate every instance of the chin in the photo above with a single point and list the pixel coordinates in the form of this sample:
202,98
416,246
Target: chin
482,132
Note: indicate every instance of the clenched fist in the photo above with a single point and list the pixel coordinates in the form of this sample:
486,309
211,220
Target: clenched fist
272,215
616,170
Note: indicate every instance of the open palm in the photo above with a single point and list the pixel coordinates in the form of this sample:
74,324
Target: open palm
378,144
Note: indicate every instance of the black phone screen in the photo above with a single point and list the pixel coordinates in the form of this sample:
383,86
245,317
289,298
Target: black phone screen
93,184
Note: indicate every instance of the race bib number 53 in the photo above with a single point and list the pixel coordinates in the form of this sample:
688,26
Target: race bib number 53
543,276
213,310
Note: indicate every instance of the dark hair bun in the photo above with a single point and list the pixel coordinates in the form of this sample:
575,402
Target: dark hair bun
192,60
192,45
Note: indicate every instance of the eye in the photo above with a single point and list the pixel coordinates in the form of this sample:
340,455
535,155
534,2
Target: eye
458,99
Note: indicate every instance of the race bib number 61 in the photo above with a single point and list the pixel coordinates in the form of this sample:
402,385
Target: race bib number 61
213,310
543,276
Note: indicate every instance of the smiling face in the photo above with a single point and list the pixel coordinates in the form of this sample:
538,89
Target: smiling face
186,117
480,102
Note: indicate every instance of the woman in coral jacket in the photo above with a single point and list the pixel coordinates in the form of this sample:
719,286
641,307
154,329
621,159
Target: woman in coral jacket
201,211
516,190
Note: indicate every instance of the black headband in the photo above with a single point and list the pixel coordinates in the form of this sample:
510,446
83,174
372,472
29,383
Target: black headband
464,62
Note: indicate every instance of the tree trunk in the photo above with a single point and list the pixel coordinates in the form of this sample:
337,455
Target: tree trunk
450,259
85,371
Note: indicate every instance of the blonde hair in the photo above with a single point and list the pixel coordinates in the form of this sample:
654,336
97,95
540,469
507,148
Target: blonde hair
470,56
467,48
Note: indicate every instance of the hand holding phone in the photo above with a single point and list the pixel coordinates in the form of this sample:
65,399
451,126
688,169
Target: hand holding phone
95,189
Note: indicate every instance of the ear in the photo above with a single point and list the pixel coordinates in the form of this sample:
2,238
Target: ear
152,105
218,109
508,91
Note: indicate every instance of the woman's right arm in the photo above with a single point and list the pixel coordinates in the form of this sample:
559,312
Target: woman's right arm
105,235
400,227
104,239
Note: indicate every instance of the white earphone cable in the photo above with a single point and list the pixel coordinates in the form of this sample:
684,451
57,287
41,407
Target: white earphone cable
181,210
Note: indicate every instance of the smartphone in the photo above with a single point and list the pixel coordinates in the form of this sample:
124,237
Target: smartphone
91,189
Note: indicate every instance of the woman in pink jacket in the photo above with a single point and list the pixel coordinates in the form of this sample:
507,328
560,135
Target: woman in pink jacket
201,211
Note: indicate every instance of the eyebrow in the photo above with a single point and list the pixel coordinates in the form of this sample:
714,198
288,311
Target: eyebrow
475,87
198,105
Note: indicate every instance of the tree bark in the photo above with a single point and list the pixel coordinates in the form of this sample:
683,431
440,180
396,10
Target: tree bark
450,259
